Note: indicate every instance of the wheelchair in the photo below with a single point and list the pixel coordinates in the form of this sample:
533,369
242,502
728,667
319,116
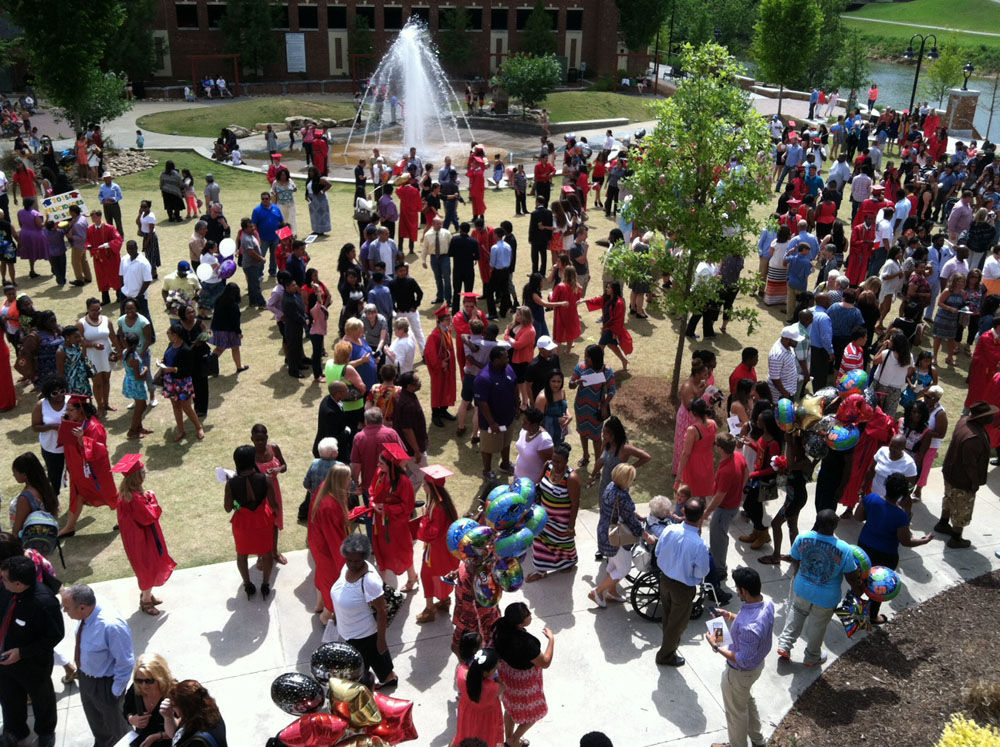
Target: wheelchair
644,594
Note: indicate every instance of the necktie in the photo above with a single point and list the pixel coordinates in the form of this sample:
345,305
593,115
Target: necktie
76,652
5,626
437,243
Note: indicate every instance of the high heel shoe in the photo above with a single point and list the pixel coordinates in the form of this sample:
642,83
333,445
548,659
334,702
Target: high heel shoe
250,589
265,589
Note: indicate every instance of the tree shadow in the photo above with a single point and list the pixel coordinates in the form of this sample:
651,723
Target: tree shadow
831,708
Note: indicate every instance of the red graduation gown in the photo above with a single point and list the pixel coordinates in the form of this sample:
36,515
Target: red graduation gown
326,531
862,245
566,319
878,432
476,175
438,561
145,547
392,543
616,322
486,238
985,358
89,468
8,394
439,355
409,212
460,323
320,151
106,261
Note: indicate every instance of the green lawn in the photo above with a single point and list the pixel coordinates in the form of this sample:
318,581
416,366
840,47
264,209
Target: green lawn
207,121
571,106
974,15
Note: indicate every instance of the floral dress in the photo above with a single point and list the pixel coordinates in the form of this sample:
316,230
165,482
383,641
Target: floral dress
77,381
132,386
284,195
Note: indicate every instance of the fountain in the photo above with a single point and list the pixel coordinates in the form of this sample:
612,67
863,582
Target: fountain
410,87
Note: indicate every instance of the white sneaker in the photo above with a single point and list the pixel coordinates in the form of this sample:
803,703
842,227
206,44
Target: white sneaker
130,405
154,403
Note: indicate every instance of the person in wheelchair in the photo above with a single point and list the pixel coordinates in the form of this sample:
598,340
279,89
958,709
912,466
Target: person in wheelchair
714,577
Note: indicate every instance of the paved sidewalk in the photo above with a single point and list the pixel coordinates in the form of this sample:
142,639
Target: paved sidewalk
603,674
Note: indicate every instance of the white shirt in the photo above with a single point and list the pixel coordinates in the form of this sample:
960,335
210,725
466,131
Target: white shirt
134,273
351,600
236,157
883,232
885,466
405,350
861,188
440,248
383,251
609,142
782,366
220,82
3,183
147,223
991,269
839,174
952,266
890,287
776,128
901,213
529,463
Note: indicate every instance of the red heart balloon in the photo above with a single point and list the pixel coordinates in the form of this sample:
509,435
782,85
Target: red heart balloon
397,720
314,730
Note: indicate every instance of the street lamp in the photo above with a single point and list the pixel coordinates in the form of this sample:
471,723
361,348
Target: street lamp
968,70
919,56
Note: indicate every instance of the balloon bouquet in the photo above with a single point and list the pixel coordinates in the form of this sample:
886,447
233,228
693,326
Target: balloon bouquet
881,585
357,718
512,521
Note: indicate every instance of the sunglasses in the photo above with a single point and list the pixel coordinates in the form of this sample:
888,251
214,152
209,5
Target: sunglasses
143,681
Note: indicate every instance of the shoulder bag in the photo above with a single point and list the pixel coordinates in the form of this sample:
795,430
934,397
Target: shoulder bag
619,535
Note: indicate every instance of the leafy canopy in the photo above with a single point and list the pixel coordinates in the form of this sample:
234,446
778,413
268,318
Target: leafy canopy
638,21
247,28
851,70
943,74
133,50
455,48
539,38
682,186
787,32
529,79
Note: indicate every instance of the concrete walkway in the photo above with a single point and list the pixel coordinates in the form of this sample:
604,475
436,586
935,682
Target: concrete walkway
603,674
855,17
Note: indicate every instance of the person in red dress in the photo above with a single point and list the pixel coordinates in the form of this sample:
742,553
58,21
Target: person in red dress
613,332
139,523
85,443
250,496
327,528
566,319
409,213
105,246
439,355
480,715
862,246
476,174
433,532
460,324
270,462
320,150
487,238
8,394
392,500
985,360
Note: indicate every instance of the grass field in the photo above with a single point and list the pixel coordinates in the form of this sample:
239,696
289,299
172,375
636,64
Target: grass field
207,121
973,15
571,106
183,475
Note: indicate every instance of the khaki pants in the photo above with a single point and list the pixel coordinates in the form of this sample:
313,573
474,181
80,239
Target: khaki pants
762,271
81,267
790,295
742,718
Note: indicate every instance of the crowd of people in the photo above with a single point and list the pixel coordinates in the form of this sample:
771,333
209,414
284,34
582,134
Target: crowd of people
839,277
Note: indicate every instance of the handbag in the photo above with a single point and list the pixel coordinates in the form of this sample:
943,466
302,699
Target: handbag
768,490
619,535
362,214
89,367
604,408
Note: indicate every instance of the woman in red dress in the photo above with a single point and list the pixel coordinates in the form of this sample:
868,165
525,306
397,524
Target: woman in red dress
433,532
476,174
480,716
320,151
697,465
85,444
439,355
139,523
613,332
985,359
250,495
327,529
270,462
566,319
8,394
393,502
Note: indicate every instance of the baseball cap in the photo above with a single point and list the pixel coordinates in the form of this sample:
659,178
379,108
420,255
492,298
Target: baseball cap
183,266
791,332
545,343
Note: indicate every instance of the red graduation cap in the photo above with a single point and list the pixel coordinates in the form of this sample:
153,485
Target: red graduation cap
79,399
276,156
469,294
395,453
128,464
436,474
442,311
284,233
794,202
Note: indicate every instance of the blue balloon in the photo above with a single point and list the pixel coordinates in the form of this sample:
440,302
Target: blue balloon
513,543
508,574
506,511
475,543
536,519
456,532
524,487
498,491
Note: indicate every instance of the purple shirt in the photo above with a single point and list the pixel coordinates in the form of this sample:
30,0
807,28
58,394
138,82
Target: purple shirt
387,209
752,635
498,389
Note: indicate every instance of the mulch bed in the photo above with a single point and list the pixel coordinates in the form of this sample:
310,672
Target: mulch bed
644,401
901,684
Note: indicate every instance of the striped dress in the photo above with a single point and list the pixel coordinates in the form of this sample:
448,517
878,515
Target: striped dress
777,275
586,407
554,548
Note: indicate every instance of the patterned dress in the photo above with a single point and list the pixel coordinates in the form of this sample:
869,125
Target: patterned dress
132,386
587,405
46,355
468,615
263,467
77,381
554,548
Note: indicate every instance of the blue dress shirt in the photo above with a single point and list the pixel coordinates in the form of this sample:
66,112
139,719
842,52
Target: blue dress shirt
500,255
114,192
106,649
682,554
821,330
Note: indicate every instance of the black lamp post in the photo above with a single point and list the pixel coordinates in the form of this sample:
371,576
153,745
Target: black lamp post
968,70
919,56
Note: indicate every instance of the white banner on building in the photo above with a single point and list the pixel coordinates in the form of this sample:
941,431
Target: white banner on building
295,52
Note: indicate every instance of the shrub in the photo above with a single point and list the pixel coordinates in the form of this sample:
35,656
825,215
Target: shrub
981,698
963,732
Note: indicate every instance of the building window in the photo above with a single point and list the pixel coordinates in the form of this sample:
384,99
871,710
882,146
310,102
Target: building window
187,15
308,17
475,19
574,20
368,13
215,13
421,12
393,17
279,16
498,19
336,17
521,17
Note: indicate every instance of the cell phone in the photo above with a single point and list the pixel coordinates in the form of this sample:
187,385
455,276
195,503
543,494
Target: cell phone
4,656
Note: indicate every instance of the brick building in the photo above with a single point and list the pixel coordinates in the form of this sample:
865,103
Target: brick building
315,34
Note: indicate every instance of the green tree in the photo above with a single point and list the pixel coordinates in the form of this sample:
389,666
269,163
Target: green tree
528,79
676,191
786,33
638,21
132,51
818,66
695,22
539,38
247,28
64,50
943,74
851,70
456,41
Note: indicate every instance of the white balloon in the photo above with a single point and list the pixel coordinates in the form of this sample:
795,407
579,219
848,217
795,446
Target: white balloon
204,272
227,247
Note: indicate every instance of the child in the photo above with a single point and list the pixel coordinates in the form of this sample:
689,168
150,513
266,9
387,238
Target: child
8,253
33,141
284,249
270,462
854,353
140,141
403,349
134,385
498,169
56,241
381,395
480,716
682,496
924,375
236,156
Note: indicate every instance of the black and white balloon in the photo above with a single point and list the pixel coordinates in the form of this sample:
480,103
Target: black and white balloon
297,694
336,660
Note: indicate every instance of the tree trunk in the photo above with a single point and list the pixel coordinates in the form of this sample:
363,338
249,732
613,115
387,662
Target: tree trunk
781,91
675,381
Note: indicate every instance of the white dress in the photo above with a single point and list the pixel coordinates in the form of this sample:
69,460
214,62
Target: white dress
98,334
284,196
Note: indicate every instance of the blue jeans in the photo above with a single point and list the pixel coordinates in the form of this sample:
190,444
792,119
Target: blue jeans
451,214
254,275
441,267
268,248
